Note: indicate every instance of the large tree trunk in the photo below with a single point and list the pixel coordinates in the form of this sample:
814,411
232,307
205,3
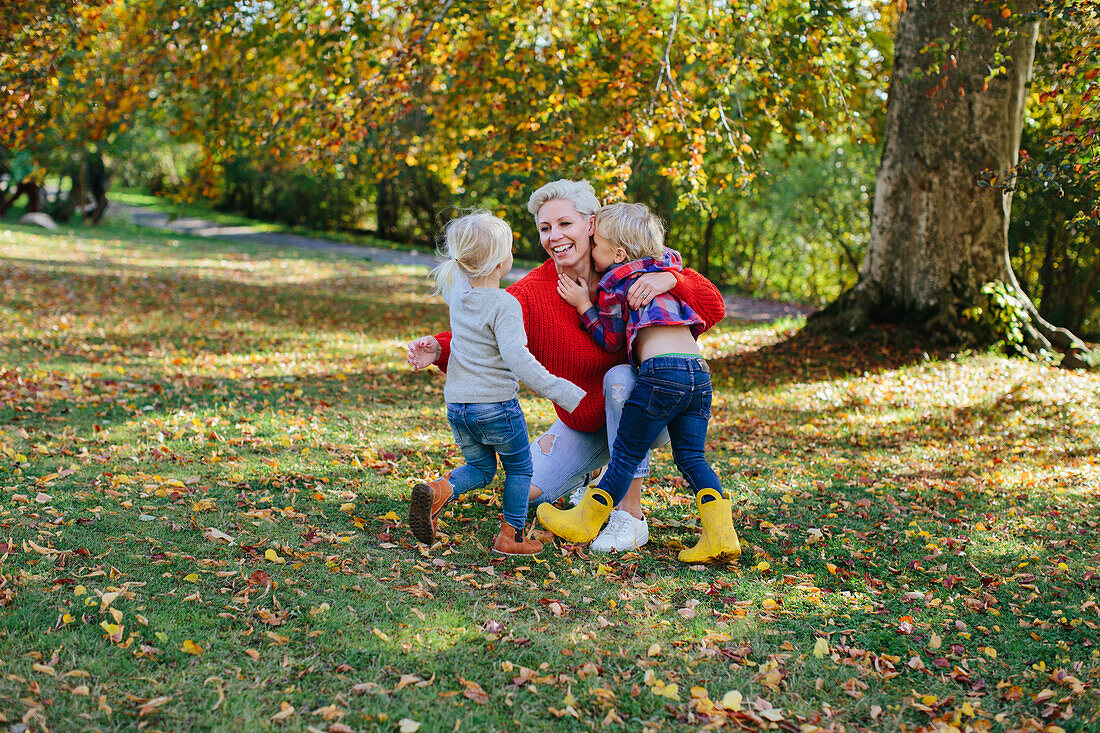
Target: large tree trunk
938,232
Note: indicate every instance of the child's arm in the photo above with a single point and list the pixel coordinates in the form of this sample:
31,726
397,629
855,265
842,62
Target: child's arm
606,324
512,343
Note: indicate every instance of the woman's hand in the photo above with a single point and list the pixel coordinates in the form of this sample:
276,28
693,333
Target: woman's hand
574,292
647,287
423,352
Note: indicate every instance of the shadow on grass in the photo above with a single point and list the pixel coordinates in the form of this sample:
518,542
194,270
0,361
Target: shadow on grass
802,357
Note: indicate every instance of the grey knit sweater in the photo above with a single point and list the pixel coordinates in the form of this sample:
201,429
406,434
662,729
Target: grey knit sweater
489,353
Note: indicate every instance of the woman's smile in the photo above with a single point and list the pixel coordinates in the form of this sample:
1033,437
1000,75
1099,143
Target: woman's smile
564,232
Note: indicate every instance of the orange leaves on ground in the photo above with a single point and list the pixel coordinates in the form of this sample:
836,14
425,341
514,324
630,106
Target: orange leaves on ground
474,691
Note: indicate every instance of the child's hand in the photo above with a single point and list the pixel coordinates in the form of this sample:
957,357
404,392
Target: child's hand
575,293
423,352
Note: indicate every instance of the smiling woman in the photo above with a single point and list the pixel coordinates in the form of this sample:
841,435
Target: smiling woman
578,442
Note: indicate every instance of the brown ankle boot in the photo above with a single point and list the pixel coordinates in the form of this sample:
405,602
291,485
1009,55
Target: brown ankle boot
427,503
510,541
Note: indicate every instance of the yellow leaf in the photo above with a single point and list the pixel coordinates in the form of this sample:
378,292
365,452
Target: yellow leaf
114,631
990,652
763,567
380,634
935,641
654,650
407,725
285,711
821,647
191,578
390,516
273,556
205,505
190,647
44,669
769,604
79,590
929,699
831,568
732,701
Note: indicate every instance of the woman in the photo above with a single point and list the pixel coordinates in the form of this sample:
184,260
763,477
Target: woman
577,444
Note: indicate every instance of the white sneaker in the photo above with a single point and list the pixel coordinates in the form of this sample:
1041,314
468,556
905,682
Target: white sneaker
621,533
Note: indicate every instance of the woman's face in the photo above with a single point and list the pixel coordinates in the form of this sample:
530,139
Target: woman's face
565,233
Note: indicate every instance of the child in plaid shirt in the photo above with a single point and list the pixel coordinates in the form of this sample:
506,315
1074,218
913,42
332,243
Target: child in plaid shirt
673,388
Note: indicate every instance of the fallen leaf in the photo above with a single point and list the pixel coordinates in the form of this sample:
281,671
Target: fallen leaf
285,711
732,701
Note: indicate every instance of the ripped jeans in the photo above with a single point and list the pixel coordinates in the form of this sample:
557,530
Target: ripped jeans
562,457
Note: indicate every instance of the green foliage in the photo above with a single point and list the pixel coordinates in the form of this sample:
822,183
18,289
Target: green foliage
1003,321
294,196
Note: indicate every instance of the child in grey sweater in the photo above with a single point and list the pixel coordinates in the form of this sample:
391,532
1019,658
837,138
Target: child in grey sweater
489,357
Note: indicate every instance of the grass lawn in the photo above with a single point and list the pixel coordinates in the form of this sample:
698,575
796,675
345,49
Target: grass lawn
206,452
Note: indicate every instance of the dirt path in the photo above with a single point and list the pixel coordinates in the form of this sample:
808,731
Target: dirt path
746,309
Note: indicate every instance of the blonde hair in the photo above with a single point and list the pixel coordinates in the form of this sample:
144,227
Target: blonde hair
473,245
634,228
579,193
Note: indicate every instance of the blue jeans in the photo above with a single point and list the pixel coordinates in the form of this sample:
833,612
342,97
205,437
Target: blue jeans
562,456
673,392
485,430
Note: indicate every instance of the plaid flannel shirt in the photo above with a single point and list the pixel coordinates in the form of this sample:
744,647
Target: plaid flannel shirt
612,323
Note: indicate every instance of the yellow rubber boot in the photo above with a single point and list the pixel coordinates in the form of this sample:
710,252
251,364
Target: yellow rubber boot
581,523
719,541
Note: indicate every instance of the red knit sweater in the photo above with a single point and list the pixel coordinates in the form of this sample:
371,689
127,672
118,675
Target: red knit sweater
557,339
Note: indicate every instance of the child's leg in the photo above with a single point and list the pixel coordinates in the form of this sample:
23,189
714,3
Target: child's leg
515,456
618,384
467,422
651,404
688,431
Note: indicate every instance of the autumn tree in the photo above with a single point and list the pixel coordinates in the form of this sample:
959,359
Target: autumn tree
939,231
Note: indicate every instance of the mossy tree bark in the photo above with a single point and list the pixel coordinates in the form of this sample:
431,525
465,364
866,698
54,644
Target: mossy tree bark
939,229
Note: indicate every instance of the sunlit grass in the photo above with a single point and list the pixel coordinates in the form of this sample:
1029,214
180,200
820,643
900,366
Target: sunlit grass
226,437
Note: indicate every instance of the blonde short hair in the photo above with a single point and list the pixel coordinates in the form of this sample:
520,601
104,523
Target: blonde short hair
473,245
634,228
579,193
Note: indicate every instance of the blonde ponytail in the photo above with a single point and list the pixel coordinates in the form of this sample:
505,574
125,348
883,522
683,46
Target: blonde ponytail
473,245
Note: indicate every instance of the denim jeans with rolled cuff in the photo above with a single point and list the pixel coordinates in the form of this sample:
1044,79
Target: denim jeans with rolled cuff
485,431
672,392
562,456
